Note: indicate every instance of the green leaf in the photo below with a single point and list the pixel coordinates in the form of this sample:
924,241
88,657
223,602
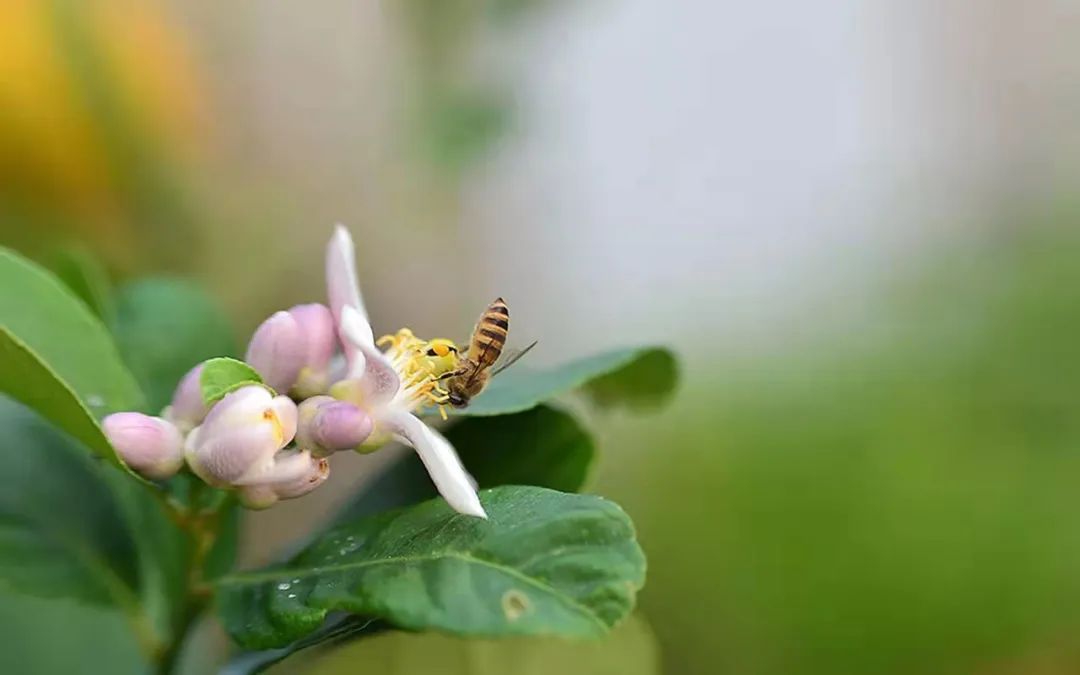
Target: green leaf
52,323
26,378
631,649
543,446
59,533
45,637
544,563
346,629
163,328
56,357
645,382
221,376
635,376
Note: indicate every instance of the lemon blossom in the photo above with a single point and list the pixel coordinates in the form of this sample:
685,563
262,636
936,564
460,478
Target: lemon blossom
241,443
390,386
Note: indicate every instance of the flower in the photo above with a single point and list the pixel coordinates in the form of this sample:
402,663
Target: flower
293,349
151,446
390,386
240,443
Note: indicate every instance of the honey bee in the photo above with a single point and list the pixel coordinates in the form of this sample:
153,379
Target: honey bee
472,370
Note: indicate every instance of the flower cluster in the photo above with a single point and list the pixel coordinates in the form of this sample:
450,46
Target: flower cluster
271,447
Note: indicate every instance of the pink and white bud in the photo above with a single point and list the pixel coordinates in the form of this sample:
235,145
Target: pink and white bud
277,351
316,324
294,349
327,425
151,446
265,495
187,409
238,442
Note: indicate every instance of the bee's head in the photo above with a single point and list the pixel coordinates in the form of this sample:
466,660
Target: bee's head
457,400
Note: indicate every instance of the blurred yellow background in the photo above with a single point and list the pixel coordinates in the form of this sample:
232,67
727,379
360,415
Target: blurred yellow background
855,222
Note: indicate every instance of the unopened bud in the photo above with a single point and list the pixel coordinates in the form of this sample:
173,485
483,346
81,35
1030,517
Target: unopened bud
240,436
327,425
187,409
277,351
151,446
294,349
320,339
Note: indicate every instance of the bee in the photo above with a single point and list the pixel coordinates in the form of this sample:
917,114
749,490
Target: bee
472,370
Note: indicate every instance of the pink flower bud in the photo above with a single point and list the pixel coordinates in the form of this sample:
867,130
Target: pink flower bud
187,410
327,425
294,349
240,437
151,446
265,495
277,351
320,339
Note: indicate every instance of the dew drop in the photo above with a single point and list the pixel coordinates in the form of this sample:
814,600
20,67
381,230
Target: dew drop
291,595
296,581
95,400
284,586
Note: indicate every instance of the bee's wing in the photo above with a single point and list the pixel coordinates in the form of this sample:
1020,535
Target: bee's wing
511,358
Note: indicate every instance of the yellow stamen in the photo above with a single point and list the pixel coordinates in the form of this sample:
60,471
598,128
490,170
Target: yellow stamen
279,431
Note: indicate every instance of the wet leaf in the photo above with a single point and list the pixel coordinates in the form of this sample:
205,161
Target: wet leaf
543,563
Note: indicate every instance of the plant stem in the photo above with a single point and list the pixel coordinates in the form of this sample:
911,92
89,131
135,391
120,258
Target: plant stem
202,527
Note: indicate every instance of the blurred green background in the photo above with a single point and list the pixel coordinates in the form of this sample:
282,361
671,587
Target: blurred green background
856,223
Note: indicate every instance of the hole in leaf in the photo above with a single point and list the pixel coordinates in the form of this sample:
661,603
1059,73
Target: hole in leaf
514,604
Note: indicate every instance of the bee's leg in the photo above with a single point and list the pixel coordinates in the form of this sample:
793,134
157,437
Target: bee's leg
447,375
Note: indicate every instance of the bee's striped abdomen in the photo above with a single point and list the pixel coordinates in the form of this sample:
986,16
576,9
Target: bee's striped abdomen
489,338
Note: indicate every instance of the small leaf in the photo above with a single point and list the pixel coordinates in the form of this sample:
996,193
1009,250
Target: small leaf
224,375
635,376
163,328
543,446
544,563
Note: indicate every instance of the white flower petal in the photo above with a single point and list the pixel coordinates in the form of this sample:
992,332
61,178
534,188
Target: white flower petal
286,412
440,459
239,408
379,379
343,290
227,455
285,467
